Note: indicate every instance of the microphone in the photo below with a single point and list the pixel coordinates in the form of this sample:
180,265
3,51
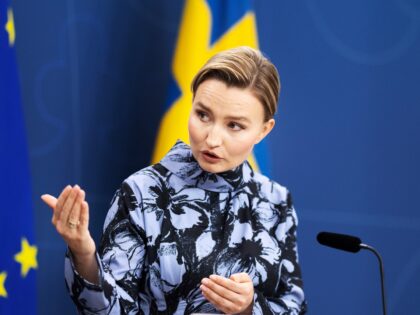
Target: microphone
340,241
352,244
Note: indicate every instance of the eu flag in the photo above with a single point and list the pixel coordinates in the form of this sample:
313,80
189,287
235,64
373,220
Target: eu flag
18,252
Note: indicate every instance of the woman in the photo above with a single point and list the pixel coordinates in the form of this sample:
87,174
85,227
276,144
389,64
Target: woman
199,231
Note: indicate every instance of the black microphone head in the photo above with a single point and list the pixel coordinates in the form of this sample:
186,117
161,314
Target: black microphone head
340,241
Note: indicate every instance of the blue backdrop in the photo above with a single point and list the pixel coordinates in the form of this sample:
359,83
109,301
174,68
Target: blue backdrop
94,76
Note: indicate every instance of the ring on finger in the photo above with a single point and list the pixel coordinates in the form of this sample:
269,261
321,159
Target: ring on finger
72,224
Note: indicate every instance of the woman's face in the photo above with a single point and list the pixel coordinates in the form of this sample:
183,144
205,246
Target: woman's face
224,125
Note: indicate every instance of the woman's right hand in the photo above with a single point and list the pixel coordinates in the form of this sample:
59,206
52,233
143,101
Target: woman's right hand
71,220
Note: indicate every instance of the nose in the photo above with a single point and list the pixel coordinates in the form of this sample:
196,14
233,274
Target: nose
214,137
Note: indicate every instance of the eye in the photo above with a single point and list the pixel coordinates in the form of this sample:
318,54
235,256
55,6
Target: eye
235,126
202,115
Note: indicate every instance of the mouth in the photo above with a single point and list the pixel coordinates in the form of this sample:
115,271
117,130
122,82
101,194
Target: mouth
211,156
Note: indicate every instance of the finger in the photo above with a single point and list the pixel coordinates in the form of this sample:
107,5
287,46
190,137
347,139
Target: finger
51,201
241,277
68,205
226,283
63,197
222,291
84,216
74,215
219,302
60,202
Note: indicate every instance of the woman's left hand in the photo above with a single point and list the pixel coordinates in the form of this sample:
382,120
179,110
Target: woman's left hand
231,295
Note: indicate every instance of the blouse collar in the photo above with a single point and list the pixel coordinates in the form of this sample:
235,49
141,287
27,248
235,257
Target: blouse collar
180,161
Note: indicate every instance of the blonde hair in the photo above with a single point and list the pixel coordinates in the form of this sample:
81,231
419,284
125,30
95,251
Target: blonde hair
244,67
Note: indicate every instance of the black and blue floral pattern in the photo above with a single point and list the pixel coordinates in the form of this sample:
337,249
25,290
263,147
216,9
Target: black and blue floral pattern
172,223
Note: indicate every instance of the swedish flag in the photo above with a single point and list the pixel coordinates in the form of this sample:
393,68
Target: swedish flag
18,254
207,27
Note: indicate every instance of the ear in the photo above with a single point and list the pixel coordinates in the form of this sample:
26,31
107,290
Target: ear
266,129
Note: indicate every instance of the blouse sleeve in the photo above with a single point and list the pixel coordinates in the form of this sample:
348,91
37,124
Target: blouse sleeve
120,259
289,297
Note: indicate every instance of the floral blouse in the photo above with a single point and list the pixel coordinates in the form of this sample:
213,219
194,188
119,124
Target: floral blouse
172,223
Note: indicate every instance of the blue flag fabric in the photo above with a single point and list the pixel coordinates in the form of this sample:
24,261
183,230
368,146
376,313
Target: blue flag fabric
18,252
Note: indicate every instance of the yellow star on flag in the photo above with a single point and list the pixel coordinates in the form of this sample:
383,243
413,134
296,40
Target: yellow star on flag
27,257
10,27
3,276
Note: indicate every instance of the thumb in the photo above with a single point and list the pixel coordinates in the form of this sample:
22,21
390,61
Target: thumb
51,201
240,277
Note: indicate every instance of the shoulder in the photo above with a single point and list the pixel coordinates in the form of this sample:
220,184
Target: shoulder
138,186
136,191
271,190
145,178
280,198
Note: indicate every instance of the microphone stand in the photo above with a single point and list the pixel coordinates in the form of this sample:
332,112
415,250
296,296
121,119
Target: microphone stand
381,270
